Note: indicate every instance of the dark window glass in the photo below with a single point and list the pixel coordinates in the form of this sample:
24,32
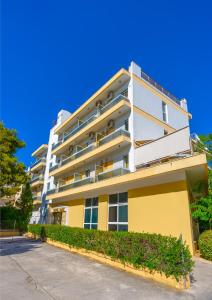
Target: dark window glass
123,213
126,125
87,226
87,215
113,214
122,227
112,227
88,202
113,199
87,173
95,202
94,226
123,197
94,215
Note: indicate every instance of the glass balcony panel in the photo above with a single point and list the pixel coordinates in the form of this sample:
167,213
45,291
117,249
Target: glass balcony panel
89,148
75,184
42,159
96,114
36,178
112,173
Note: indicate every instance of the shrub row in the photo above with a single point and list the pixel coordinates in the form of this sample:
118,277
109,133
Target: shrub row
164,254
205,244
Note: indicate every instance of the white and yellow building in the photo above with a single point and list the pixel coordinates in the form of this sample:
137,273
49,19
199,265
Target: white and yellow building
122,161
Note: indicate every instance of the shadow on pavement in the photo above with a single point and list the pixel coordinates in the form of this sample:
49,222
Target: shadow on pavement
17,245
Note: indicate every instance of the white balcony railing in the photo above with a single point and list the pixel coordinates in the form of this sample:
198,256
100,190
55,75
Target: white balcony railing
172,145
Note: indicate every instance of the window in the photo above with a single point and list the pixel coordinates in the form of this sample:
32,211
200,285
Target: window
126,161
87,173
118,212
125,93
48,186
91,213
126,125
165,112
165,132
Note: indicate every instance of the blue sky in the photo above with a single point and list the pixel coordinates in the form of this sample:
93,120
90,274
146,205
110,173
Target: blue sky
55,54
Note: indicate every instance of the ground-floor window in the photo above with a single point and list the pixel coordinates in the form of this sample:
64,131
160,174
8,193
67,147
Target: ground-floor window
118,212
91,213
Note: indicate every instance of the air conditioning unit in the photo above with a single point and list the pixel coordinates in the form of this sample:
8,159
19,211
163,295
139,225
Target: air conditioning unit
98,103
92,135
110,96
71,149
111,123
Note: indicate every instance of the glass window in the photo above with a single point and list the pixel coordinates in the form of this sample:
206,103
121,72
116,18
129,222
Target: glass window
118,212
165,112
126,125
91,213
87,173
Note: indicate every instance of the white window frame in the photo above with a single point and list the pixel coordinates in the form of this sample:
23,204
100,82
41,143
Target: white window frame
117,205
91,208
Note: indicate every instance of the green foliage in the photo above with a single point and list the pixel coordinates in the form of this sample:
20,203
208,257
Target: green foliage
205,145
10,217
25,204
205,244
152,251
202,208
12,172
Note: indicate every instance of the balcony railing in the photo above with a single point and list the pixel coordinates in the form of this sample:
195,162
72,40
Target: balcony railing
173,145
112,173
96,114
93,146
159,87
42,159
36,198
36,178
75,183
101,176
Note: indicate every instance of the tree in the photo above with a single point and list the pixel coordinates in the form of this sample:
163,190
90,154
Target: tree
25,204
12,172
202,209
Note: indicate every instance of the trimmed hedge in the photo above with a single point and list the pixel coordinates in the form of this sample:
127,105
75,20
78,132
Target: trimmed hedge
164,254
205,244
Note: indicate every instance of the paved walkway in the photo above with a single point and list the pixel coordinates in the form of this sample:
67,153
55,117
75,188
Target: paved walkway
37,271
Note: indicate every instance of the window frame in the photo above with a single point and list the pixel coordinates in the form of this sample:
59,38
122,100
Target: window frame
118,204
91,207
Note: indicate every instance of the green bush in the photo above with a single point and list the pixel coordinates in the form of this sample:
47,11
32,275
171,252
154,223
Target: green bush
9,217
155,252
205,244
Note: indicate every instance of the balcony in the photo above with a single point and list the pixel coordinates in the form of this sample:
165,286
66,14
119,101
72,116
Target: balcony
75,183
112,173
36,199
105,145
97,114
89,180
37,180
171,146
38,164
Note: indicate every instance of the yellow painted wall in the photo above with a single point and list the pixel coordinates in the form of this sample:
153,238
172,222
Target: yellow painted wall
161,209
103,212
75,213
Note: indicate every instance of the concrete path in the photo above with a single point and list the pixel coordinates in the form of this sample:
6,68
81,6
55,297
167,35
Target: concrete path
37,271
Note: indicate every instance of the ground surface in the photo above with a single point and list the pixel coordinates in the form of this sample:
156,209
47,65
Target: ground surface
37,271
